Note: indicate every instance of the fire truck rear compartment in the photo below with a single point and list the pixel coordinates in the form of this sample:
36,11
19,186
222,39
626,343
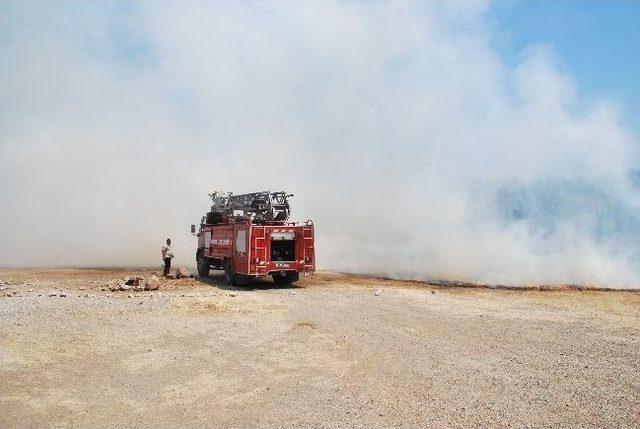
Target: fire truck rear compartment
283,246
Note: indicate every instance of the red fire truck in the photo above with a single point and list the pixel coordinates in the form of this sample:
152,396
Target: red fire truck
249,236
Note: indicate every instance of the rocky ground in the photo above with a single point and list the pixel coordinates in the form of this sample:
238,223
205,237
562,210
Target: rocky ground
336,351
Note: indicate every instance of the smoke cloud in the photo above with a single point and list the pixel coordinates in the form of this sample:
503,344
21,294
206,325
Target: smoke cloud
417,150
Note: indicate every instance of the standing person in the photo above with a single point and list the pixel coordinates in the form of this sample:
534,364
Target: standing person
167,254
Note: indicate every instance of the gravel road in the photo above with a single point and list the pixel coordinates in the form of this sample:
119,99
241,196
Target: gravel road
336,351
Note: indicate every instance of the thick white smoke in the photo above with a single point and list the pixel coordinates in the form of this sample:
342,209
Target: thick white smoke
416,149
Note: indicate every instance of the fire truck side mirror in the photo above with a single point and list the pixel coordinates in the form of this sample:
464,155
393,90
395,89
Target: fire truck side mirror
193,229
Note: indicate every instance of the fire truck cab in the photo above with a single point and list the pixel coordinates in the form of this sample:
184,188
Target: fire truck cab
248,236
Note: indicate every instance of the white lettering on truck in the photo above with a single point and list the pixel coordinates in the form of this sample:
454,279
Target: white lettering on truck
221,242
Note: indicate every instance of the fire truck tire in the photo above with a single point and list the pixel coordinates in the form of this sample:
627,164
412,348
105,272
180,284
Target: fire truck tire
203,266
229,273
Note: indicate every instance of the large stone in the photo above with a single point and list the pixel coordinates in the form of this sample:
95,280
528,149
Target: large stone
116,286
152,283
133,280
183,273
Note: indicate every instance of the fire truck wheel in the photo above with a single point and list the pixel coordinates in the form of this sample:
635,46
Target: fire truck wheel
229,273
203,266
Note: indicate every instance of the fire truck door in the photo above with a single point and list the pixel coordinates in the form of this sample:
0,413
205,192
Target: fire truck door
240,254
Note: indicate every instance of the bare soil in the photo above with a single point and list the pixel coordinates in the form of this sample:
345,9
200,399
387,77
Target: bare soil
334,351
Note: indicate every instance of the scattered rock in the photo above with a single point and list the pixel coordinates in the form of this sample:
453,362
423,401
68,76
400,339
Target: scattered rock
170,276
63,295
103,289
129,296
433,292
53,294
83,288
30,290
183,273
293,292
133,280
233,294
376,292
152,283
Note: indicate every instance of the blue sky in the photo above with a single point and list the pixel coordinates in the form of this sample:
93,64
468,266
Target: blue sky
598,40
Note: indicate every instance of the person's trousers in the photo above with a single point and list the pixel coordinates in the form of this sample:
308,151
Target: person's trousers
167,266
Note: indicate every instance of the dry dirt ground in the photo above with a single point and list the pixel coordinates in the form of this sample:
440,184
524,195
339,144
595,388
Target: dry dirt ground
336,351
